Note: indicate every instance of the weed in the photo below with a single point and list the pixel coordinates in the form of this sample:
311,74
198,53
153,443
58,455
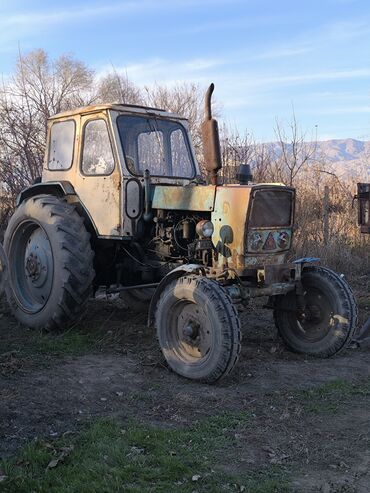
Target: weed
330,397
135,458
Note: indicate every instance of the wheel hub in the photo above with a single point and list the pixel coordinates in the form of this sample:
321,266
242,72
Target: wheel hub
33,270
191,331
313,313
33,266
36,261
314,322
194,331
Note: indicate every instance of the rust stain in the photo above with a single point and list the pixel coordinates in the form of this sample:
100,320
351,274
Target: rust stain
230,220
189,198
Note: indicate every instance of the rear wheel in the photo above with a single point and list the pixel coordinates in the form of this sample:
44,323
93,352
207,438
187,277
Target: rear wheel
198,329
329,318
50,262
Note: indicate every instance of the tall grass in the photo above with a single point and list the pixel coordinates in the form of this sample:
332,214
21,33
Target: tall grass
343,248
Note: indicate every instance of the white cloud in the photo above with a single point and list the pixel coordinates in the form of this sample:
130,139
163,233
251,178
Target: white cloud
160,70
17,26
233,23
282,52
259,80
52,16
339,110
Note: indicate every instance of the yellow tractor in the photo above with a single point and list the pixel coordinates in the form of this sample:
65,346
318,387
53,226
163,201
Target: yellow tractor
122,204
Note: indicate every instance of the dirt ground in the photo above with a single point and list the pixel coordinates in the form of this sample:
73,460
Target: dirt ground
324,449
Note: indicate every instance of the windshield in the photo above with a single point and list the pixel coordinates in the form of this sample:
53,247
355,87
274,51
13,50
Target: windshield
161,146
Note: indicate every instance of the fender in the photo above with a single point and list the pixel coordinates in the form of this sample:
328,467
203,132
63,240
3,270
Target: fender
58,189
174,274
306,260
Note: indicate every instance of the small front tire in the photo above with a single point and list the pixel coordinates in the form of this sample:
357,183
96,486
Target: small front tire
329,319
198,329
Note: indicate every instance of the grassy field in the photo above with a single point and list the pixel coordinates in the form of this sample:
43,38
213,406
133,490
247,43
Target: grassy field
94,409
111,457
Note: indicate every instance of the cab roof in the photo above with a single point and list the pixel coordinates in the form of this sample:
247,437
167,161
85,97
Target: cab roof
119,107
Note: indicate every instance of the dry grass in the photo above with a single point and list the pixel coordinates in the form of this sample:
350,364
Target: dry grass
343,248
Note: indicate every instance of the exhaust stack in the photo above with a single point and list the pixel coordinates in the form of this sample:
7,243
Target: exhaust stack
211,140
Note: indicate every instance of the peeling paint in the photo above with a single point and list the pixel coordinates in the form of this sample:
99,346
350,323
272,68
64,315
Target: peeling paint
188,198
238,247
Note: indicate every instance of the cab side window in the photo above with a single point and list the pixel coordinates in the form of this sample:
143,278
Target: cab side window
62,137
97,154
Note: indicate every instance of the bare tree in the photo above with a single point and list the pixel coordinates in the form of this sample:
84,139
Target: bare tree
186,100
39,88
262,169
117,88
236,149
292,152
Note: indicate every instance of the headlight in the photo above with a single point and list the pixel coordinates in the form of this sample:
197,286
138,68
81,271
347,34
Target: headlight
204,229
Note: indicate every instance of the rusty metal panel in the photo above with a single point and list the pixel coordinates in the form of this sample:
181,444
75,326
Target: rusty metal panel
101,195
252,260
189,198
236,249
229,219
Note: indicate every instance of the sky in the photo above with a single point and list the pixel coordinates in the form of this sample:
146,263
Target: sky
266,58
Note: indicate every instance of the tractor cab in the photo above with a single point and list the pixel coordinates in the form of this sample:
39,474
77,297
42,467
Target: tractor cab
103,152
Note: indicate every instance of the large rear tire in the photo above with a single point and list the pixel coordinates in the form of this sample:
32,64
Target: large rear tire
50,262
198,329
330,315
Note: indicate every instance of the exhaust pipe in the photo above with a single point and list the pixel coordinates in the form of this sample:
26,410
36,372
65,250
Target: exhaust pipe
211,140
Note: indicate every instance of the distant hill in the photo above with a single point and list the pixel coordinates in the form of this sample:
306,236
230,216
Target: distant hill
345,157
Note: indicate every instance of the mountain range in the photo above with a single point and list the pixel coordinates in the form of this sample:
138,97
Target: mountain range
346,157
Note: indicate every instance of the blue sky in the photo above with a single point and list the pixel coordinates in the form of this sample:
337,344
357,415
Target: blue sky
265,57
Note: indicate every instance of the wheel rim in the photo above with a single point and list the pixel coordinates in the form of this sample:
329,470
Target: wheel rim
189,332
318,317
33,266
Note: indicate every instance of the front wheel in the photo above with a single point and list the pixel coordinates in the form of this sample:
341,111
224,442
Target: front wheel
198,329
329,318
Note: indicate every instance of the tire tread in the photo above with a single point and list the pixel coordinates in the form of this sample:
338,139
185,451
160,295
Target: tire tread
77,266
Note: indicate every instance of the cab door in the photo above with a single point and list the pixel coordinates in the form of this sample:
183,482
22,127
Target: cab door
98,179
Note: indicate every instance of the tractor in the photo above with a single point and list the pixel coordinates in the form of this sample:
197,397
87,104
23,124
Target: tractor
122,205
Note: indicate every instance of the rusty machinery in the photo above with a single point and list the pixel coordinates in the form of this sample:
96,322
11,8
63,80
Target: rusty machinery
122,204
363,219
